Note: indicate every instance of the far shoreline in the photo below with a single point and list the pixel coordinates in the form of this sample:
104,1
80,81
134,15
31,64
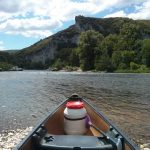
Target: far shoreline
90,71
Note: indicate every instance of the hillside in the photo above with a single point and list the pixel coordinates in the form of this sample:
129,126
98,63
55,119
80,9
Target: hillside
11,51
46,50
5,56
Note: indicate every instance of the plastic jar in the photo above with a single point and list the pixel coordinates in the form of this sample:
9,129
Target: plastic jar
75,118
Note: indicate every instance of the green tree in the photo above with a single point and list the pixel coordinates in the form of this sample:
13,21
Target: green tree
108,44
134,66
138,51
122,59
58,64
127,57
103,63
64,54
146,52
4,66
129,33
122,66
69,56
74,57
116,59
88,45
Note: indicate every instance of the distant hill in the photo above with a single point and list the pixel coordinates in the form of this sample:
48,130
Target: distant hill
11,51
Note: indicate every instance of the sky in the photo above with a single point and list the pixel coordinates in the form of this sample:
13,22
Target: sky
24,22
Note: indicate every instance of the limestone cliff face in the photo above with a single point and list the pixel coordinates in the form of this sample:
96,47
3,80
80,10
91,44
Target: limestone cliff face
87,23
47,52
40,52
46,49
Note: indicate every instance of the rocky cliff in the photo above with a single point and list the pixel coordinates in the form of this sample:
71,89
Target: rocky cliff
45,50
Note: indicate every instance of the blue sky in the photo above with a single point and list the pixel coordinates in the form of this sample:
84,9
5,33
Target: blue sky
22,23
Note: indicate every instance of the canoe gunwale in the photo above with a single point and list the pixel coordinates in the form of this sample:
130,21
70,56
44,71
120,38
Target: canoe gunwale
40,123
105,118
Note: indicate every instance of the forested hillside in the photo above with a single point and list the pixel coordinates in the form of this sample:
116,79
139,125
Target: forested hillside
125,51
98,44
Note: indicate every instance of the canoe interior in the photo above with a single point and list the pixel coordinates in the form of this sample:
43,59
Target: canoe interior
55,125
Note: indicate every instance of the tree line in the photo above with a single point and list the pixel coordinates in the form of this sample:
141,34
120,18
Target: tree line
126,51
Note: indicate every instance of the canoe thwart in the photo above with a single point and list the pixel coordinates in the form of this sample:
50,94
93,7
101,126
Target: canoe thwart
45,141
72,142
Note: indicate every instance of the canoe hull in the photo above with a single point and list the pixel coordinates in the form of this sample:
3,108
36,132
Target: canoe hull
53,125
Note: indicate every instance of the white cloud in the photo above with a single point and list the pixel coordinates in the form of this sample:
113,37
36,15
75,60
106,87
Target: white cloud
141,12
117,14
9,6
30,26
2,46
32,33
127,3
39,18
4,16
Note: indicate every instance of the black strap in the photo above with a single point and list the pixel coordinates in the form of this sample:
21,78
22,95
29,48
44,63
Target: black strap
75,119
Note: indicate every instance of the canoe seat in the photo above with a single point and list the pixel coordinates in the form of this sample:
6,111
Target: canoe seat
74,142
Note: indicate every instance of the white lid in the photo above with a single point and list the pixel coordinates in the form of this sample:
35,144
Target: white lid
75,113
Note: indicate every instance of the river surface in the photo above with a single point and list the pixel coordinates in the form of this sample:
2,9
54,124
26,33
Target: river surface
27,96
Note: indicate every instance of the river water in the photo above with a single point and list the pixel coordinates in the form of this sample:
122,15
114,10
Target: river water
27,96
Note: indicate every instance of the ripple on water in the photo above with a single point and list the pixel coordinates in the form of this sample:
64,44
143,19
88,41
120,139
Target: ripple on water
27,96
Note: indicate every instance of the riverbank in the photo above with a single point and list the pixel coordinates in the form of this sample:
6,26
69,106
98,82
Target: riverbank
78,69
8,140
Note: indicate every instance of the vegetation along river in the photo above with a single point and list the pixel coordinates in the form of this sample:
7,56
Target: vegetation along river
27,96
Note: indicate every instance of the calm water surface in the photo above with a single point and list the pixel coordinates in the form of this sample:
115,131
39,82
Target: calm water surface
28,95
